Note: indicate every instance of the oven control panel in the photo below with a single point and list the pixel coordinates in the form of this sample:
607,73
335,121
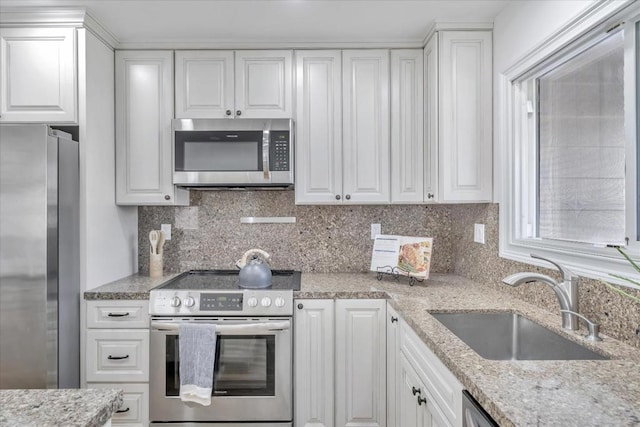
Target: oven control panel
246,302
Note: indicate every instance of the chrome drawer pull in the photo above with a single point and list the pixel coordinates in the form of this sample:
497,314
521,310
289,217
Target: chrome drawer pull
110,357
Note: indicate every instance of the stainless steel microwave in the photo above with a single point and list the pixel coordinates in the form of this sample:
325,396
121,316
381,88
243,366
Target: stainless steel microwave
233,152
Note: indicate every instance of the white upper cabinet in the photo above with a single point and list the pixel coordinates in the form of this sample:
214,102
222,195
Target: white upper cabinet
407,141
431,120
144,109
464,119
263,84
38,73
204,84
365,83
318,127
251,84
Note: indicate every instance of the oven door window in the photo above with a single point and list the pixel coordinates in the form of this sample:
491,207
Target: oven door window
216,151
245,366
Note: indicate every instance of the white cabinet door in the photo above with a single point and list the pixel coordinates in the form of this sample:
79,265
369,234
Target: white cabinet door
313,364
407,142
263,84
365,83
318,127
38,72
415,405
204,84
360,363
134,410
409,414
393,354
465,140
431,120
144,109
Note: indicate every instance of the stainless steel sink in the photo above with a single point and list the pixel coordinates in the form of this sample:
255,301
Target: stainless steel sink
508,336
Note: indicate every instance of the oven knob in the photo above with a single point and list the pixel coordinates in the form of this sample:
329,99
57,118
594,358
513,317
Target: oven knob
266,302
189,302
279,302
175,302
252,302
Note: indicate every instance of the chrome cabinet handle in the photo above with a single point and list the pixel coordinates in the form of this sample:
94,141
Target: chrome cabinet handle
122,411
415,390
394,319
118,314
422,400
110,357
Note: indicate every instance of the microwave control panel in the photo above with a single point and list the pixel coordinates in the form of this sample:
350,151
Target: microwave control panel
279,151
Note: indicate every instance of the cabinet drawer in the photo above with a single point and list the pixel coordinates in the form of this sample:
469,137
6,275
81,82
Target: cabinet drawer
135,406
440,382
117,355
110,314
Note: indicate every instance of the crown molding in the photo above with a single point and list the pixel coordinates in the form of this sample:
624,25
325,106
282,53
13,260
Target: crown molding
455,26
261,44
56,17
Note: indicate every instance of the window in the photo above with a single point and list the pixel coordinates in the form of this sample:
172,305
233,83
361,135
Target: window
571,147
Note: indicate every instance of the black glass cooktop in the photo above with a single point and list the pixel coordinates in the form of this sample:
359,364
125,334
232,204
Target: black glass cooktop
208,280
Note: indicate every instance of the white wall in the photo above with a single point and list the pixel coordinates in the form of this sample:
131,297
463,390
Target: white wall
109,233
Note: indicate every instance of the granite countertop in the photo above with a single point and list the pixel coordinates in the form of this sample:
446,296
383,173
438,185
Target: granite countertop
514,393
58,407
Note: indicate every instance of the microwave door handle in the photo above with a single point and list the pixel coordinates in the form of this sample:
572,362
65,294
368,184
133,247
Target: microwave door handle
265,154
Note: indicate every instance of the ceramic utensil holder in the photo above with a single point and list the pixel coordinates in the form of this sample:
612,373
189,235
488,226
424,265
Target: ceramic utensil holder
155,264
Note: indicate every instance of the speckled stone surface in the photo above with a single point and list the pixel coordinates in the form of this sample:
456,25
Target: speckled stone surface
515,393
618,316
208,233
64,407
133,287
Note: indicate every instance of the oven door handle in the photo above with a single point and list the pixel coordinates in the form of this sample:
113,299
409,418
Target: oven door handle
222,329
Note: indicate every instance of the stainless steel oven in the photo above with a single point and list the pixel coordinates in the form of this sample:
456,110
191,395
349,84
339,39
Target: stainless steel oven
252,378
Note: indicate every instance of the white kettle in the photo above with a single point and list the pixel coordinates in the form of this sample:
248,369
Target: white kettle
254,271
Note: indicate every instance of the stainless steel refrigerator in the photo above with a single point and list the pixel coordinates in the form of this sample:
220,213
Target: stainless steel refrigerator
39,258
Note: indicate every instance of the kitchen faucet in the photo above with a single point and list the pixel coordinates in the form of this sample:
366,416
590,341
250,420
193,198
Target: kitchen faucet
566,291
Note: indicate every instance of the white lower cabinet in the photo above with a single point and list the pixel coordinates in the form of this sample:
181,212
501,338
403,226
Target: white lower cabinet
314,365
135,404
356,330
418,367
117,355
416,407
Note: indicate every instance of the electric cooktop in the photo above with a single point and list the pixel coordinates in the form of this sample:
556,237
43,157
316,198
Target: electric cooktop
218,292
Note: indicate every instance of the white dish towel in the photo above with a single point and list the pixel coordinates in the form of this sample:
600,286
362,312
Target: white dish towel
197,359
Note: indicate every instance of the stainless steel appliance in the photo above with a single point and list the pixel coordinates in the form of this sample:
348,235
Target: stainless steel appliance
473,415
233,152
252,378
39,258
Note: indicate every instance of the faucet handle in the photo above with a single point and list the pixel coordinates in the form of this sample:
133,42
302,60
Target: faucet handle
567,274
594,328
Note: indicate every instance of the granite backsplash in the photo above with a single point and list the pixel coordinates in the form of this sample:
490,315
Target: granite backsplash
208,234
